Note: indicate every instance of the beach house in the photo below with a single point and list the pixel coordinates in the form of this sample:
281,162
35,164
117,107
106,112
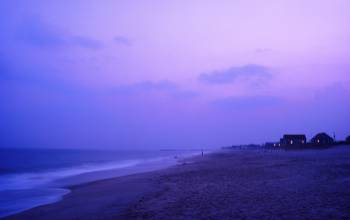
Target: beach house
293,140
322,139
348,140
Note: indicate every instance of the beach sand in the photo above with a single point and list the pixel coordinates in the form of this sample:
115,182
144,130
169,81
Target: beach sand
231,184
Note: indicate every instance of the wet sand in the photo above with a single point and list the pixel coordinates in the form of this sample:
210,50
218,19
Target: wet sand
246,184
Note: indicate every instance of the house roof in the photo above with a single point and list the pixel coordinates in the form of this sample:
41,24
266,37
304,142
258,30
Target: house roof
322,136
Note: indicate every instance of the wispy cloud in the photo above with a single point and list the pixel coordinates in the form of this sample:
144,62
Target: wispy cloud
251,72
263,50
145,86
85,42
35,76
4,70
247,102
122,40
38,33
159,87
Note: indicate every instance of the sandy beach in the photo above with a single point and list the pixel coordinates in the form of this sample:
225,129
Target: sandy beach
231,184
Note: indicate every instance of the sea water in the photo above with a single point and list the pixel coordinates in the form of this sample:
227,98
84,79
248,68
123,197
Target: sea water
33,177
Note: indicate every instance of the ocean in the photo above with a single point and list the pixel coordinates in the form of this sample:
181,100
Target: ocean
33,177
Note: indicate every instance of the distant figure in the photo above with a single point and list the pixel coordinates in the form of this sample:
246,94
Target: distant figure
202,152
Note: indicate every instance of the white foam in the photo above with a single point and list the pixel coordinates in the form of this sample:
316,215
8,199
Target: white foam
38,179
48,187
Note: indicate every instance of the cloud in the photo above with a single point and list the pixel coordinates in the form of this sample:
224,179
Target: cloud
334,92
37,33
156,87
332,101
164,85
86,42
34,76
252,72
145,86
263,50
247,102
122,40
4,70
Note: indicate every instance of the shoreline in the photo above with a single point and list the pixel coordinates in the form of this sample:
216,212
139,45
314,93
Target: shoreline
140,182
62,187
225,185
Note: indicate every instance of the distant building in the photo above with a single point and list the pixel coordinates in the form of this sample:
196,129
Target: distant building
348,140
322,139
272,144
293,140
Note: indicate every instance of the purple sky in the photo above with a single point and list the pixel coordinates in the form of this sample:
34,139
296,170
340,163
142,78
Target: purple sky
159,74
